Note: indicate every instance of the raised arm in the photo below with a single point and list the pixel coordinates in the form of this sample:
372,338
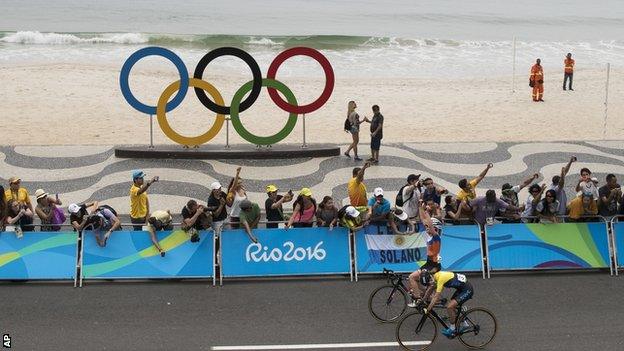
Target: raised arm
529,180
360,176
537,198
564,172
485,171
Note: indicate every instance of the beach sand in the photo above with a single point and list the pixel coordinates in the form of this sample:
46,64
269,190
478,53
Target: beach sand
65,104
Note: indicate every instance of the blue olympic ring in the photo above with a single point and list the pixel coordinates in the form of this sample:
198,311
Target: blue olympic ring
153,51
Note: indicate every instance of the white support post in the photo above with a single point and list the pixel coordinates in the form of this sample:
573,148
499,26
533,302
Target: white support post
606,103
304,134
151,132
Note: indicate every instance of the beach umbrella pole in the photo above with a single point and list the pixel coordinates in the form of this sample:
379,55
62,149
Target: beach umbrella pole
606,103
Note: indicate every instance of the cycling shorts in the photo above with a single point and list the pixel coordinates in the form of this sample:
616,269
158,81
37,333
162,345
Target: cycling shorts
464,294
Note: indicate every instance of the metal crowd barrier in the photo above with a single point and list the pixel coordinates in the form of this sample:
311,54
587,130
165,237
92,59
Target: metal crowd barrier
615,235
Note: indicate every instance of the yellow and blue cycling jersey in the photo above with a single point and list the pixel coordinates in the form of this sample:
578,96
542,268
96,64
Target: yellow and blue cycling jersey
446,279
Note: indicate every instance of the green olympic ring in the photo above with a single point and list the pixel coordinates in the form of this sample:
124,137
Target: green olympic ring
262,140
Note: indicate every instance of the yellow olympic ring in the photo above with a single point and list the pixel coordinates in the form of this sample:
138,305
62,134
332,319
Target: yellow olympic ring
175,136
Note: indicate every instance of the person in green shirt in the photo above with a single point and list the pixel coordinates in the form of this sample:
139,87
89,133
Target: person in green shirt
249,217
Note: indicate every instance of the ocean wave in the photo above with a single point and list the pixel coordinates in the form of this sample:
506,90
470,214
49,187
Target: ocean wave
29,37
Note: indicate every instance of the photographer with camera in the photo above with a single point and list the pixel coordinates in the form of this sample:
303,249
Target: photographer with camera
157,221
195,218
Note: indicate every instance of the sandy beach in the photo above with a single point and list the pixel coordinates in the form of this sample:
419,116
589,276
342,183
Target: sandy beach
61,104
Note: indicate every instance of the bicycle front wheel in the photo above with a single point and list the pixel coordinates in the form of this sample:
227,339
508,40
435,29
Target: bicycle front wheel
416,331
477,328
387,303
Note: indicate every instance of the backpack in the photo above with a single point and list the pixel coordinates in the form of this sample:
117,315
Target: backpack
399,201
342,211
347,125
106,207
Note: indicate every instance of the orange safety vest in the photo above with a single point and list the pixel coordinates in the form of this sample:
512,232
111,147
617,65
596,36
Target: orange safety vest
537,73
569,65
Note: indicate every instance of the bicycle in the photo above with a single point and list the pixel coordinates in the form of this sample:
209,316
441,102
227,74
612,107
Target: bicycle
475,328
388,302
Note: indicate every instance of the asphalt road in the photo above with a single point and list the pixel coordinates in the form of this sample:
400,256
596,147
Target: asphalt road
580,311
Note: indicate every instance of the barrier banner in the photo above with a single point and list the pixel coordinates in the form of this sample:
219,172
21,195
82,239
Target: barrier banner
130,254
376,248
618,231
296,251
38,255
548,246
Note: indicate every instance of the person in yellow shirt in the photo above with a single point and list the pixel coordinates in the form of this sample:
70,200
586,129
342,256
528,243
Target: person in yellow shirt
356,187
18,193
159,220
139,204
584,205
467,192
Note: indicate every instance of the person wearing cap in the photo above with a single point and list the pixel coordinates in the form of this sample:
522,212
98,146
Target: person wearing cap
356,188
584,205
45,210
353,218
15,191
397,218
378,207
249,217
509,194
157,221
304,210
139,204
77,213
216,206
273,205
236,193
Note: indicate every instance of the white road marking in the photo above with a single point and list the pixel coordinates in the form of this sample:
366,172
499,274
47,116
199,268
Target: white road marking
315,346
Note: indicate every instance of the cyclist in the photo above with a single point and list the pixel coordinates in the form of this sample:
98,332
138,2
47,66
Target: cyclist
432,232
445,279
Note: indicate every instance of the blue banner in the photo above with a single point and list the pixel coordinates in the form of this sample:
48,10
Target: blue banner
548,246
376,249
618,232
296,251
38,255
130,254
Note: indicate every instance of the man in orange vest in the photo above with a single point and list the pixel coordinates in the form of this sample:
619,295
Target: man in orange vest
568,70
536,81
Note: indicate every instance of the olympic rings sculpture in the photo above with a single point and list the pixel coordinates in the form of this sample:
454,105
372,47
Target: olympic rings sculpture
213,101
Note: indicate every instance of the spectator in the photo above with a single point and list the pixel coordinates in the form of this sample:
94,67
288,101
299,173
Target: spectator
195,218
410,199
433,209
3,208
376,130
509,194
467,189
78,213
216,205
558,182
535,195
432,192
157,221
139,204
19,215
583,205
48,212
354,120
548,207
610,195
586,185
398,218
249,217
378,207
273,205
485,208
304,210
451,212
353,218
235,195
102,220
18,193
327,213
356,187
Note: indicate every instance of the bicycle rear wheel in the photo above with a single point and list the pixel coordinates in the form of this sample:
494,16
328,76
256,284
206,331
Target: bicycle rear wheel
416,331
387,303
477,328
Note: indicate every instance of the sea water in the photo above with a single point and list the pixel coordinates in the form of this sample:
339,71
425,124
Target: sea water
392,38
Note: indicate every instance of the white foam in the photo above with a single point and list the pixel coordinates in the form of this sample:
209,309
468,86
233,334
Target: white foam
29,37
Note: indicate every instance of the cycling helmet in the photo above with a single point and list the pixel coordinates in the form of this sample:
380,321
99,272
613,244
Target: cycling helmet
425,277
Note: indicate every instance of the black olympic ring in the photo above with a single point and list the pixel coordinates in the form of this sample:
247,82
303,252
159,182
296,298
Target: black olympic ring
229,51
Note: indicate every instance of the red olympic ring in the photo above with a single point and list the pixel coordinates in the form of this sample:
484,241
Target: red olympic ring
329,80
